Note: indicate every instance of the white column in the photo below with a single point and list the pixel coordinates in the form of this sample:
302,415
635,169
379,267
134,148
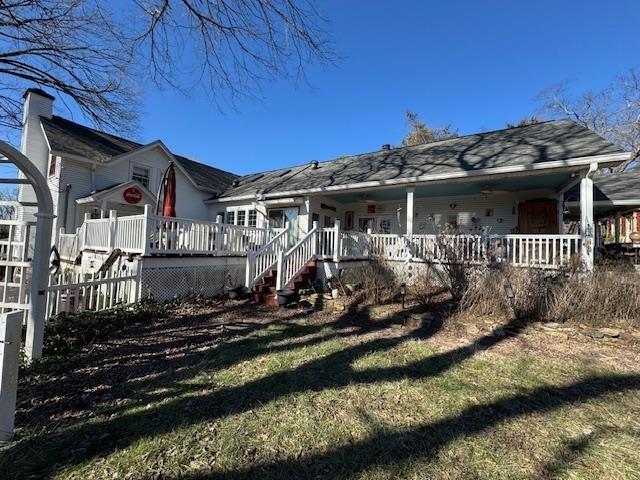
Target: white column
336,241
587,231
10,329
410,193
39,284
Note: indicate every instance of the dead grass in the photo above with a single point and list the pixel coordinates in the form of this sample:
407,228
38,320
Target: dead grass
233,391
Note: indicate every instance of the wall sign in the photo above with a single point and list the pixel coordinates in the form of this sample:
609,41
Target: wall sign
132,195
371,208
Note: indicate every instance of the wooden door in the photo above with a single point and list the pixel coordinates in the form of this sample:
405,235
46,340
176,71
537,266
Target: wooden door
538,216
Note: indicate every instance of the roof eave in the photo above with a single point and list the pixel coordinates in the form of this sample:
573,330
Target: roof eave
606,159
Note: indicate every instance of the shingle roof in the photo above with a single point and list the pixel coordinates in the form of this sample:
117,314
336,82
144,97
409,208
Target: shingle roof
614,187
527,145
65,136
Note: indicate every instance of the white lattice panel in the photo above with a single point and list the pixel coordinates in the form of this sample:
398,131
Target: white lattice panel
167,283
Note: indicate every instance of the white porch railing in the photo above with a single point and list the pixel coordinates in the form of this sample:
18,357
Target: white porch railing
294,261
264,259
544,251
151,234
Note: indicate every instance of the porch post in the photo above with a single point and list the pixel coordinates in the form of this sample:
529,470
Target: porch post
113,225
410,193
147,231
586,222
336,241
616,228
560,202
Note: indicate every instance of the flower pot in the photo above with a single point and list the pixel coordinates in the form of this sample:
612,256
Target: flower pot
634,237
285,297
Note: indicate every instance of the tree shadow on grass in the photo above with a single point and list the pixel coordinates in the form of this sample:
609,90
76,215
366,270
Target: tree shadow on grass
424,442
186,404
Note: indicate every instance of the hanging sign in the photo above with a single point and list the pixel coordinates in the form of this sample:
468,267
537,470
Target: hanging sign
371,208
132,195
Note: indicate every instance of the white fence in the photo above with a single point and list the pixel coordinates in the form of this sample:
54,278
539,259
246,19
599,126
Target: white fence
74,292
15,265
294,260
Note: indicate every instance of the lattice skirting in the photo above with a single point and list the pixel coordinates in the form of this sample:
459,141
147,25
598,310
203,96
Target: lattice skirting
167,283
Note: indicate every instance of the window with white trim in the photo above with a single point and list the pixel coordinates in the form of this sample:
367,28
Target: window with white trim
141,174
242,215
253,218
231,218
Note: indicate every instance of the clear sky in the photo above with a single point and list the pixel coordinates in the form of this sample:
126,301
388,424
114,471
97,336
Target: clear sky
475,64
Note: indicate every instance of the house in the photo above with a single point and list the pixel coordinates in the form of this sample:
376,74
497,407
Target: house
616,204
498,196
91,172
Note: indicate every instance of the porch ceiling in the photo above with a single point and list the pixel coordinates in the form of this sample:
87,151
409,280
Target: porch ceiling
535,182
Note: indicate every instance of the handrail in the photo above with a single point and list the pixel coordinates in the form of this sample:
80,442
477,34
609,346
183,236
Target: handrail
294,260
265,258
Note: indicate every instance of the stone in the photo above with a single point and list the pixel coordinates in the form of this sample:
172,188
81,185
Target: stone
416,320
593,334
551,324
636,335
498,330
567,329
339,306
610,332
472,330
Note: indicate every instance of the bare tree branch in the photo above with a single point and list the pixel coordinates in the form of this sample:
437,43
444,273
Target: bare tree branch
613,113
98,55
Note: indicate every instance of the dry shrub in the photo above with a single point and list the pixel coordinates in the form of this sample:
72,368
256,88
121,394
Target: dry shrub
485,294
610,295
425,286
378,280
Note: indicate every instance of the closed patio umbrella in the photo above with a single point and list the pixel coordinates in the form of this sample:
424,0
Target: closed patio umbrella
169,192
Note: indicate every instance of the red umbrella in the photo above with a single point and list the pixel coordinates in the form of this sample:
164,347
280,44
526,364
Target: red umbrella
169,197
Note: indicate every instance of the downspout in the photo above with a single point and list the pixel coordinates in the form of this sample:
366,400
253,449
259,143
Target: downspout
67,191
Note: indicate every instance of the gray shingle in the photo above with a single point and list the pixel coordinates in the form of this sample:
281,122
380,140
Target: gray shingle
618,186
528,145
72,138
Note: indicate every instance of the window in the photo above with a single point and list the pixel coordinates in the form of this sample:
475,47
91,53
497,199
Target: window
327,222
52,166
242,215
231,218
253,218
141,174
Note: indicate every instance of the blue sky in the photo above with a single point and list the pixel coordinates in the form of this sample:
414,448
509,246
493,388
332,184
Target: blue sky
475,64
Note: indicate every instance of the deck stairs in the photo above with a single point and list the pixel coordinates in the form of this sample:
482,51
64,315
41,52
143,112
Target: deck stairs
265,290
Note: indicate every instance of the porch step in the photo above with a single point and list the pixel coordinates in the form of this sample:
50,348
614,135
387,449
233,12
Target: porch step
265,290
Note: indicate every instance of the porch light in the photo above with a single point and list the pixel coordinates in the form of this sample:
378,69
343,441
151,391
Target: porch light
403,292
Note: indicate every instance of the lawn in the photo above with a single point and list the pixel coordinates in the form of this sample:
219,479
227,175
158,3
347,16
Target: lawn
234,391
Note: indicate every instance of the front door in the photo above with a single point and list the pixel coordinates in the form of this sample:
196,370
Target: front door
278,217
538,216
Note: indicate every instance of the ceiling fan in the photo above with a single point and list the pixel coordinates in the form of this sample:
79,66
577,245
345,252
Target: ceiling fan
487,190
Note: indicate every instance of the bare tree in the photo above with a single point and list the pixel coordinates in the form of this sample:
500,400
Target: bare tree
613,112
97,55
420,132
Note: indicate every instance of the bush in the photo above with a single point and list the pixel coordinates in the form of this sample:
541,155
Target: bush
68,333
378,281
608,295
485,294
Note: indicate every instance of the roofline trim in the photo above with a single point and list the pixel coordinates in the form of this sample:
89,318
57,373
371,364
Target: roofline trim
602,203
575,162
96,195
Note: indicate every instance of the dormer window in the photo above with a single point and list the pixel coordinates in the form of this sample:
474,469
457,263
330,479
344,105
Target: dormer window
141,174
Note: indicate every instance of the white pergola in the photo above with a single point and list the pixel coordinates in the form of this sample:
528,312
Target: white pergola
10,323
